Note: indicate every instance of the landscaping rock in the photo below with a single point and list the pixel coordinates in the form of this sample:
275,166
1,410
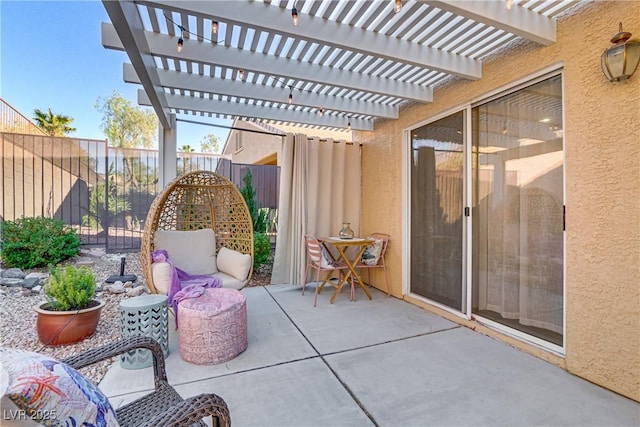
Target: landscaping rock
31,282
13,273
41,276
96,252
134,292
115,288
11,282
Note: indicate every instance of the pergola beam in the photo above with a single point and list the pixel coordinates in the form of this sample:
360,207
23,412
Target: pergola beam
517,20
234,88
131,34
206,53
261,17
214,106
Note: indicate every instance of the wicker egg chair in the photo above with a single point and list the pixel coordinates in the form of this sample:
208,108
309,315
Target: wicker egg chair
197,200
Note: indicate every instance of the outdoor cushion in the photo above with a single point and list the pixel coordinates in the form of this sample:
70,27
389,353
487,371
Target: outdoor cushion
234,263
371,254
52,392
326,261
194,252
230,281
161,272
162,278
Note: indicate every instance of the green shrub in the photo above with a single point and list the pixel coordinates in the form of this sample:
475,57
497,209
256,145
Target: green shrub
261,249
258,215
37,242
70,288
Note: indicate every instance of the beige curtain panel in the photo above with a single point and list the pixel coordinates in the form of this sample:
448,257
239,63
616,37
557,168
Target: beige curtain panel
320,188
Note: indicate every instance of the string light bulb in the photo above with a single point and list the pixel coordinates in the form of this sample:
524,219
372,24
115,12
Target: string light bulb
180,40
214,27
321,112
509,4
241,74
294,15
398,7
349,125
291,97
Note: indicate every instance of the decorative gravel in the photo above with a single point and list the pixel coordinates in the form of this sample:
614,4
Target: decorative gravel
18,319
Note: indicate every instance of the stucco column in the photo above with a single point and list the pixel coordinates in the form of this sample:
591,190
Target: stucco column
167,144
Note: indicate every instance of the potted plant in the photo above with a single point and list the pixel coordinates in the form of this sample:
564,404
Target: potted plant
70,313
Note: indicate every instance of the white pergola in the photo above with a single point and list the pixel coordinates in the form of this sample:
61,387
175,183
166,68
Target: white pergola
346,63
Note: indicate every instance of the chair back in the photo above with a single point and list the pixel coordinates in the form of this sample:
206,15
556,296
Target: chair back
314,251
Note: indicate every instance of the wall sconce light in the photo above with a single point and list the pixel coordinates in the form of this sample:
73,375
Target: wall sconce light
620,61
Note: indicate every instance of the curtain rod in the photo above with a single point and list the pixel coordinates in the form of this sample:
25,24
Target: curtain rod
230,127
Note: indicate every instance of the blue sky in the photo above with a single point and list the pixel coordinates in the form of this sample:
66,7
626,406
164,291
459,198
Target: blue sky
51,57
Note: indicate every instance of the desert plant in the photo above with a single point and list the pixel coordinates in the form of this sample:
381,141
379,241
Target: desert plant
261,249
70,288
37,242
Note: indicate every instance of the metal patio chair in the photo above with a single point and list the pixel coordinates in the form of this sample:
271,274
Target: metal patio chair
381,263
318,261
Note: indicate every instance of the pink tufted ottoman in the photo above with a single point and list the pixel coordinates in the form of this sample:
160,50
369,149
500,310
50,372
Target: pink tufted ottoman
213,327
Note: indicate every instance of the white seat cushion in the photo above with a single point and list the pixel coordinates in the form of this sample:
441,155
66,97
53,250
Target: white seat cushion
230,281
191,251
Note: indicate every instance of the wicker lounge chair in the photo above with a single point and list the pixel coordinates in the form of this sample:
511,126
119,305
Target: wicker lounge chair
164,406
194,201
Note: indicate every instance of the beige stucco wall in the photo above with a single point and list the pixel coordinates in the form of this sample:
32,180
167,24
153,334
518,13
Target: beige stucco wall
602,166
255,146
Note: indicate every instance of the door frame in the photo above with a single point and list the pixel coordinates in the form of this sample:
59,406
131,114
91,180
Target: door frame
542,74
406,207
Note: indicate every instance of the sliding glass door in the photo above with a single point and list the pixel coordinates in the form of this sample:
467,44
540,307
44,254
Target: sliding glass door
436,210
518,210
516,191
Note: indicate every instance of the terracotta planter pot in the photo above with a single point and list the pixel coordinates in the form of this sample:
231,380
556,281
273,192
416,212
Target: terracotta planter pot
66,327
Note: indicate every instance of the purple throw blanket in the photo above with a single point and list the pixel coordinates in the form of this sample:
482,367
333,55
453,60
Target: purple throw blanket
183,284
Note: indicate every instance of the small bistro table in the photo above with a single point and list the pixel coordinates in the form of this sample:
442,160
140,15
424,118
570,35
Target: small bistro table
342,245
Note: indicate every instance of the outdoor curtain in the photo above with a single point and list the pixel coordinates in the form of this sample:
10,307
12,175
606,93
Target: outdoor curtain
524,263
320,188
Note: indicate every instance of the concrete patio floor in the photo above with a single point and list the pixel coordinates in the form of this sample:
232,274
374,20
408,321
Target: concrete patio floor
382,362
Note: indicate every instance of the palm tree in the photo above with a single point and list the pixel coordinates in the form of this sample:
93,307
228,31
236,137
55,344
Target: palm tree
53,124
186,159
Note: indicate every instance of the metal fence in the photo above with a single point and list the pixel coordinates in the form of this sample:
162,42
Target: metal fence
103,192
11,120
